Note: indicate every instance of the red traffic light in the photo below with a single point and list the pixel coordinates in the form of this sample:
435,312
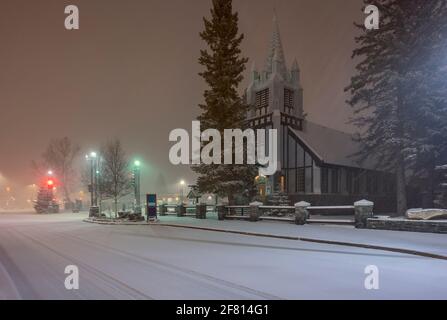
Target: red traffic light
50,184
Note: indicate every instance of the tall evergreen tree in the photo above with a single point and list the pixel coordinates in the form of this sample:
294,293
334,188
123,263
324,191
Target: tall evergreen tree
392,93
441,197
223,107
428,94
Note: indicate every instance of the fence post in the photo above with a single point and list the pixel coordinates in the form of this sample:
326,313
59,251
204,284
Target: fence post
181,210
162,209
201,211
255,211
363,211
301,213
221,212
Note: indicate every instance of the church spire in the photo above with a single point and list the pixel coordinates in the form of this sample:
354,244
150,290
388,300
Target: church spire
295,65
276,50
254,72
295,72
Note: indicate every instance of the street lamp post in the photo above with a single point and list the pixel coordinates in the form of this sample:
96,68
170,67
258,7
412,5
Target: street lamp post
90,189
94,157
99,190
93,182
136,173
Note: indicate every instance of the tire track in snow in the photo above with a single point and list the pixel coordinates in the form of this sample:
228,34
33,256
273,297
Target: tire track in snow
100,275
202,277
17,280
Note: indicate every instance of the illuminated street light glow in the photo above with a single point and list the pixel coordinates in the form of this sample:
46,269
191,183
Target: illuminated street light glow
137,163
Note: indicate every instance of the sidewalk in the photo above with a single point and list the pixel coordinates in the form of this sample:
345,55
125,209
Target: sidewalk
413,241
429,243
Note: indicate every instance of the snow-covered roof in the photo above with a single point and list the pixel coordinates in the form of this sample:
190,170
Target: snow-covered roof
194,193
331,146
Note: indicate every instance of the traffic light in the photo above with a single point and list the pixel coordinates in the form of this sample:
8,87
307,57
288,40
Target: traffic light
133,180
50,184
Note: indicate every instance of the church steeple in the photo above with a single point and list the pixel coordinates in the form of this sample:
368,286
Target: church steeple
295,72
295,66
254,72
276,51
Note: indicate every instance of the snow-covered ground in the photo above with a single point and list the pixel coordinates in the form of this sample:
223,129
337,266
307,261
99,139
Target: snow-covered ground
156,262
427,242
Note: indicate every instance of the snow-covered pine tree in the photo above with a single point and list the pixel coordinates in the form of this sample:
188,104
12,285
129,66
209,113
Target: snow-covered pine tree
44,202
427,93
223,107
441,198
388,77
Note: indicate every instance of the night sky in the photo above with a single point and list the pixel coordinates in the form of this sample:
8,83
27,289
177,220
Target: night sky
131,72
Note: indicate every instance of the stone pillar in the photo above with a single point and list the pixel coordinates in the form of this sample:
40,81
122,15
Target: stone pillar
181,210
201,211
221,212
255,211
363,211
162,209
301,213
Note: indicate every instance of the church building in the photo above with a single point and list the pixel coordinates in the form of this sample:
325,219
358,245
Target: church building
315,163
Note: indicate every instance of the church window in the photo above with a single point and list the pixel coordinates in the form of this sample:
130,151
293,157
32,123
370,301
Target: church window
262,102
291,180
349,178
334,181
357,181
308,179
300,180
282,184
324,180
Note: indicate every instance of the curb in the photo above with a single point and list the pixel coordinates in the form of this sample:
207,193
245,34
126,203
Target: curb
115,223
265,235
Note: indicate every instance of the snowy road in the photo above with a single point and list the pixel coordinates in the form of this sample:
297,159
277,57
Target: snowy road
154,262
